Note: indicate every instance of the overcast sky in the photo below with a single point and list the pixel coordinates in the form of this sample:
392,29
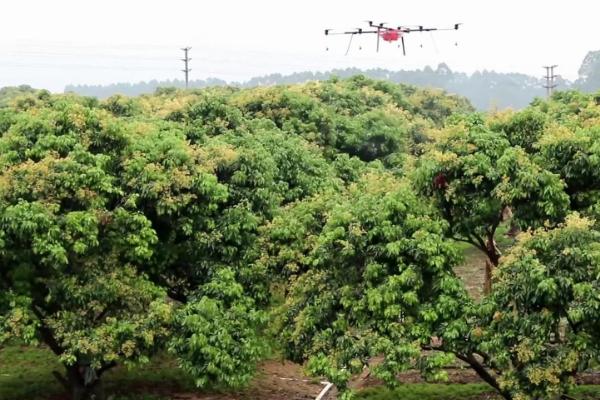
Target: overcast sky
48,44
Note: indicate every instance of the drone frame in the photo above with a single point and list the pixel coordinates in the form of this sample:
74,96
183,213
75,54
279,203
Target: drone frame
382,27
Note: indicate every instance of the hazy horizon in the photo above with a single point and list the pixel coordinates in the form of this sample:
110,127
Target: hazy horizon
70,42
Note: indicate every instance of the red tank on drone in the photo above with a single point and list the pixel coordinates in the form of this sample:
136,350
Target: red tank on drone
390,35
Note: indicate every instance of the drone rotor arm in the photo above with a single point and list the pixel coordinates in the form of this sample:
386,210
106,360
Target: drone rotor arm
356,32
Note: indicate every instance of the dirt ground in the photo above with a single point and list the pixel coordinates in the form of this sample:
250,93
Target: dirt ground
275,380
472,272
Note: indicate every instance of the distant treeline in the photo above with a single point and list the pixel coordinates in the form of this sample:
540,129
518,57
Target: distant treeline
485,89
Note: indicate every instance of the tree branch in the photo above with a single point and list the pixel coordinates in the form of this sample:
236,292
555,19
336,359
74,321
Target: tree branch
46,333
105,368
102,314
458,239
492,230
4,278
483,373
486,358
566,397
480,243
177,296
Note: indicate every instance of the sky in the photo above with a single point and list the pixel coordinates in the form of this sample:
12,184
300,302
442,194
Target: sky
49,44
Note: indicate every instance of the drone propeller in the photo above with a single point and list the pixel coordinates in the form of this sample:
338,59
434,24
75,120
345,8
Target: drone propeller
380,25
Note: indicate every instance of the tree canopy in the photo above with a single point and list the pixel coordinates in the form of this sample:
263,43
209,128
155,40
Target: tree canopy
324,217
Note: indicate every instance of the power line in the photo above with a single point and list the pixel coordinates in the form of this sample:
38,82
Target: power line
186,61
550,79
64,66
103,56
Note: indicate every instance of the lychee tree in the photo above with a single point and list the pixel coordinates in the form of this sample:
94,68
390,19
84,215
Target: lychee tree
474,176
73,247
539,327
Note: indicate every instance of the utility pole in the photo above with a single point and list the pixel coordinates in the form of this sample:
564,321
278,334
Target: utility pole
550,79
186,61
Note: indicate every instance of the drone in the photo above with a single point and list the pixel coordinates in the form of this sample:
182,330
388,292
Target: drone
388,34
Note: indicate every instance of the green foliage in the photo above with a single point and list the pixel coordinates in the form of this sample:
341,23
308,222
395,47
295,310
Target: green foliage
571,109
121,106
374,135
539,164
575,156
522,129
211,116
9,95
360,116
218,333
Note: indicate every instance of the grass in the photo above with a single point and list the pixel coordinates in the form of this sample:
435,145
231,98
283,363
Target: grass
26,374
425,391
429,391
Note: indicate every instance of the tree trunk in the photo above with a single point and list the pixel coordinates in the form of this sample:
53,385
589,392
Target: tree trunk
93,391
82,383
487,283
566,397
491,263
